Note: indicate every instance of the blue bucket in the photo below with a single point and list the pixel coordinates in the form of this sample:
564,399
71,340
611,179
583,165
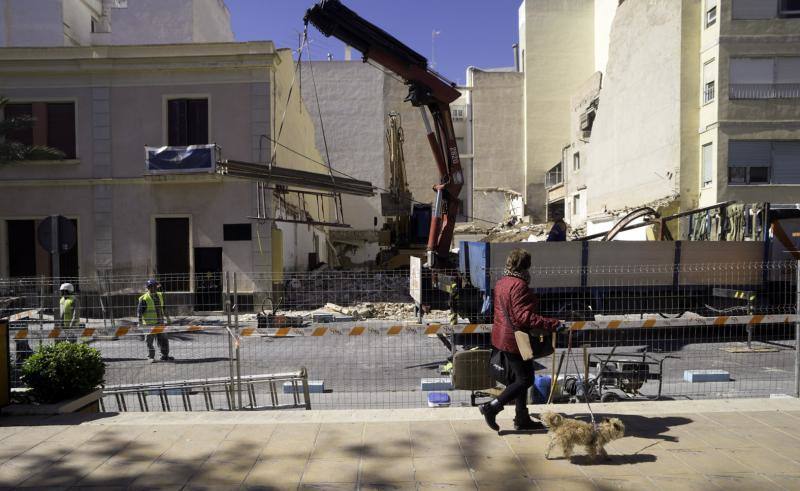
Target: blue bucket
541,388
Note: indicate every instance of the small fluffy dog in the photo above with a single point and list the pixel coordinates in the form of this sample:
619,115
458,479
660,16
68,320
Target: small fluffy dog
570,432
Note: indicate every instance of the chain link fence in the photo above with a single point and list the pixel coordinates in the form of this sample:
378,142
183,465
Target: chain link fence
356,339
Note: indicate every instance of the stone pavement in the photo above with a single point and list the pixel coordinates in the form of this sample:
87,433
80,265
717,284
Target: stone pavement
736,444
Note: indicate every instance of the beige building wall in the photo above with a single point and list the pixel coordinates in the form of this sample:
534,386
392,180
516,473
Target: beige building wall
558,46
498,142
69,22
646,124
120,95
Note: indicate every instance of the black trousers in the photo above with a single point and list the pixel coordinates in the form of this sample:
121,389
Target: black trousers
521,379
163,344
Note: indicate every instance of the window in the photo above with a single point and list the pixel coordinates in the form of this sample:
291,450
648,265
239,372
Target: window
187,121
763,162
711,12
576,162
54,126
576,204
236,231
94,24
708,159
709,78
765,78
754,9
457,112
789,8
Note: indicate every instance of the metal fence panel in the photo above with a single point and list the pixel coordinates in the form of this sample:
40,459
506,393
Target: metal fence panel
729,332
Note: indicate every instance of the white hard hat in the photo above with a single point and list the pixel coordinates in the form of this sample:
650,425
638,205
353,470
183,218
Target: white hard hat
68,287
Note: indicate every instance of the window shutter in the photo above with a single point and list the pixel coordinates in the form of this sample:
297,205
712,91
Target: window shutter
61,127
755,9
788,70
708,159
709,72
197,122
752,70
749,153
786,162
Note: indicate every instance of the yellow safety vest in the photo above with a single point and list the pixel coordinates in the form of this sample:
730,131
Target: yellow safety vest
67,305
150,314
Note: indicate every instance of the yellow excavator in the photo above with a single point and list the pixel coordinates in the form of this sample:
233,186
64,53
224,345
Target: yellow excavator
405,231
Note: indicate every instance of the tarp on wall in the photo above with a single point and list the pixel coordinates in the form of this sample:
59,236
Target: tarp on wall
181,160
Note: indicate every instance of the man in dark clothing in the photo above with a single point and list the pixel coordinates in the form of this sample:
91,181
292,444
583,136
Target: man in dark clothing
558,232
515,310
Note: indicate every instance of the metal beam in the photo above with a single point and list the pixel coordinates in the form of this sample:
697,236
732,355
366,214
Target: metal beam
294,178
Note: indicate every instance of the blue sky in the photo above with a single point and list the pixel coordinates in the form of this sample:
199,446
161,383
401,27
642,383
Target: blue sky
472,32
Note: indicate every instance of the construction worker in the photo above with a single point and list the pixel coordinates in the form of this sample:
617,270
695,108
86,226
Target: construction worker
558,232
151,314
68,310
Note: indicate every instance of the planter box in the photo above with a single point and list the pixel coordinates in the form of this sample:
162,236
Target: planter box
90,403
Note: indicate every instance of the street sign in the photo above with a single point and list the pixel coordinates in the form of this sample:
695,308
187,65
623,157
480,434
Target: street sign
415,273
67,234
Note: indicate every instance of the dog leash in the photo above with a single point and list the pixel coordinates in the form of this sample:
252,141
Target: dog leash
578,371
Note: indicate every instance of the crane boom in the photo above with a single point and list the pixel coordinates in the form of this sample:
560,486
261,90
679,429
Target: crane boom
426,89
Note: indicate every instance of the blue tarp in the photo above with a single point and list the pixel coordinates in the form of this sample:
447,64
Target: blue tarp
169,160
473,258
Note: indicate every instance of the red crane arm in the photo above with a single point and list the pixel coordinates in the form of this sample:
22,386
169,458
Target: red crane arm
427,89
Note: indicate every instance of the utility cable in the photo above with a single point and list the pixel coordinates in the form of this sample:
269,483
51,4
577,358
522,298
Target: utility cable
310,159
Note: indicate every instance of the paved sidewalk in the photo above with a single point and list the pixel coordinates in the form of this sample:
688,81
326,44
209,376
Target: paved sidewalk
740,444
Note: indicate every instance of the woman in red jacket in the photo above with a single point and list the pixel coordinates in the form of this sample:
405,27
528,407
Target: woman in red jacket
515,310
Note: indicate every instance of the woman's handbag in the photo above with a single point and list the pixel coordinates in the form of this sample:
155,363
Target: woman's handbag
529,348
498,367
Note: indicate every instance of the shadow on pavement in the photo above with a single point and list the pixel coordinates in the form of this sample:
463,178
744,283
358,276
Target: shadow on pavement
612,459
650,427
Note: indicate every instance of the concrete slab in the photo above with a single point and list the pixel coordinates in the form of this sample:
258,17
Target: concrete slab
694,376
314,387
435,383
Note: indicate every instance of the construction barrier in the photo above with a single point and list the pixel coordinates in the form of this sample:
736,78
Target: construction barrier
394,330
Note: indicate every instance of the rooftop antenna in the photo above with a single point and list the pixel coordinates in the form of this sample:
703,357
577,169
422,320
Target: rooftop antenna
434,33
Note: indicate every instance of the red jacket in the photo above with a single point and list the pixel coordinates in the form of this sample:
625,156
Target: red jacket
520,304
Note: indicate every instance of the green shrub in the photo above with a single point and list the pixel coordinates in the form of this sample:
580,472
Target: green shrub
63,371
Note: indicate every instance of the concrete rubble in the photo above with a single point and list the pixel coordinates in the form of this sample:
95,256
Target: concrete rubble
315,289
381,310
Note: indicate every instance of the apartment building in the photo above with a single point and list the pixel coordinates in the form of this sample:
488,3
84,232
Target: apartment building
102,104
557,51
749,148
696,104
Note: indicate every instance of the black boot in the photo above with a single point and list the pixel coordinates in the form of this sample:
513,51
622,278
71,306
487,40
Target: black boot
489,411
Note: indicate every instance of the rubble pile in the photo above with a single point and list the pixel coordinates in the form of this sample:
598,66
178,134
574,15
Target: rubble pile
381,310
315,289
514,231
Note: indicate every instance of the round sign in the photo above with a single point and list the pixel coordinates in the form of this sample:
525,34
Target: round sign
67,234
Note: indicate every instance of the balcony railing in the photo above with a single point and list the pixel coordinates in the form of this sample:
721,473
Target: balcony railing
553,177
764,91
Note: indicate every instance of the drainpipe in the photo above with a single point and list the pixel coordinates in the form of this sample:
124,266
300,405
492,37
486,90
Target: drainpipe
515,47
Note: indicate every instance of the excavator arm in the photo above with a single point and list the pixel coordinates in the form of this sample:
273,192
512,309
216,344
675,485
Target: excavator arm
426,90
